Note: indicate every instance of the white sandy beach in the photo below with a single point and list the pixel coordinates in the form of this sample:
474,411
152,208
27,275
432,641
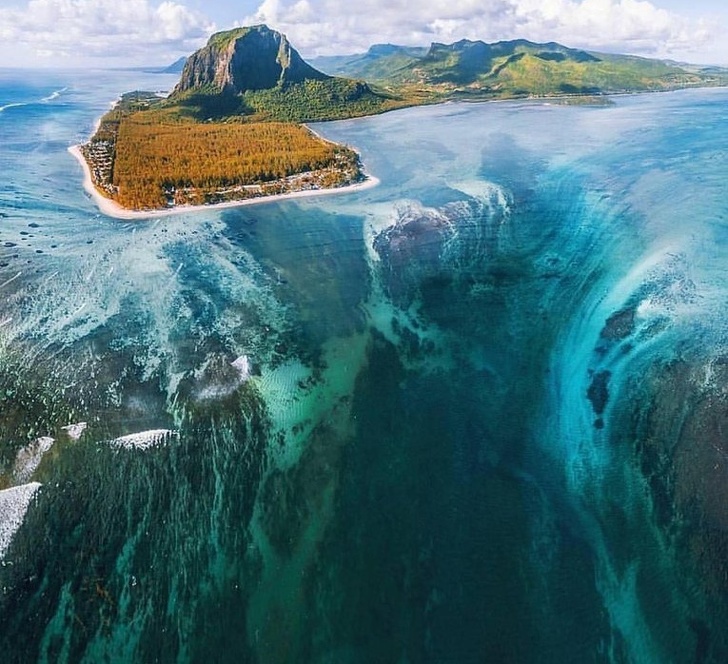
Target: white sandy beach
113,209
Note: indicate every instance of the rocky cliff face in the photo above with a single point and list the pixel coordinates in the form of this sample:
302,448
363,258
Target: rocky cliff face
254,58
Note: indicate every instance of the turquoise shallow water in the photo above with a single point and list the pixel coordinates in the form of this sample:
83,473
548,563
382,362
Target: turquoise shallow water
474,414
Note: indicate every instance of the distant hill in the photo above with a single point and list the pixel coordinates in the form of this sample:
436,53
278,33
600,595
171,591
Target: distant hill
476,69
381,62
176,67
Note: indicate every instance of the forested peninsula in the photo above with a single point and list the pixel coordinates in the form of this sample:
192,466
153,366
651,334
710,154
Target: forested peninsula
232,129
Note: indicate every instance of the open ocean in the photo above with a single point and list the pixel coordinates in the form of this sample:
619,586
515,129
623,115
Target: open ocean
478,413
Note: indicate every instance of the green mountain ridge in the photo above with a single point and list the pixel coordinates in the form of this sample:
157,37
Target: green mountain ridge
379,64
514,68
255,72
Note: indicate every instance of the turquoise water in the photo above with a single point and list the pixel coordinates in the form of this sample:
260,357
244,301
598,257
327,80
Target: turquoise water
474,414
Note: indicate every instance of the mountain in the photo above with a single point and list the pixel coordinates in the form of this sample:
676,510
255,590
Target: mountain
466,62
176,67
462,61
516,68
255,72
380,63
254,58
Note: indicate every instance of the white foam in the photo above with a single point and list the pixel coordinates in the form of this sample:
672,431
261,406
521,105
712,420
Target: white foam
54,95
145,439
649,308
74,431
14,505
29,457
13,105
10,281
242,364
491,194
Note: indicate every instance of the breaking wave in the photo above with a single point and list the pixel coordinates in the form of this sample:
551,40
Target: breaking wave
14,503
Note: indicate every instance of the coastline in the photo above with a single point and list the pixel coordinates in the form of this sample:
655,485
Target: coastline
110,208
113,209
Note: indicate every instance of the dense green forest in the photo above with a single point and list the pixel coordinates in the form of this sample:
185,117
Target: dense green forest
143,160
312,100
315,100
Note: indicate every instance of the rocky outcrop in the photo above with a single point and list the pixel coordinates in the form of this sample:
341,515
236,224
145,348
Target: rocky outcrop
253,58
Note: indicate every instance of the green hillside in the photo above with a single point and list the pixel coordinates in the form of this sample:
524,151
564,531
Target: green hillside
255,74
382,63
311,100
517,68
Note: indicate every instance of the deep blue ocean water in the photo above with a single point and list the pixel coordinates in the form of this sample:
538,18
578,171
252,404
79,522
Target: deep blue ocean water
478,413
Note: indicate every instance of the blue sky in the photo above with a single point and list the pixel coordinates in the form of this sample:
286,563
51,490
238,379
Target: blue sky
93,33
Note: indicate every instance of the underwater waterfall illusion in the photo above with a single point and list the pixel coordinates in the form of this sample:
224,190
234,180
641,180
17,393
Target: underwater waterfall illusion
478,413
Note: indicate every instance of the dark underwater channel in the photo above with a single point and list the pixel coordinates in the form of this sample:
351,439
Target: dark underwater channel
476,414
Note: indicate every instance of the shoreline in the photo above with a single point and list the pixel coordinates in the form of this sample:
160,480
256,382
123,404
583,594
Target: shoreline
111,208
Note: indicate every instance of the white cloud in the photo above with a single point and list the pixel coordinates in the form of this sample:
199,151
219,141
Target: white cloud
133,30
152,31
630,26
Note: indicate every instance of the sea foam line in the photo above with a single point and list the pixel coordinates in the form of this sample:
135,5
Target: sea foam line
54,95
242,364
29,457
10,281
74,431
12,105
144,439
14,503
